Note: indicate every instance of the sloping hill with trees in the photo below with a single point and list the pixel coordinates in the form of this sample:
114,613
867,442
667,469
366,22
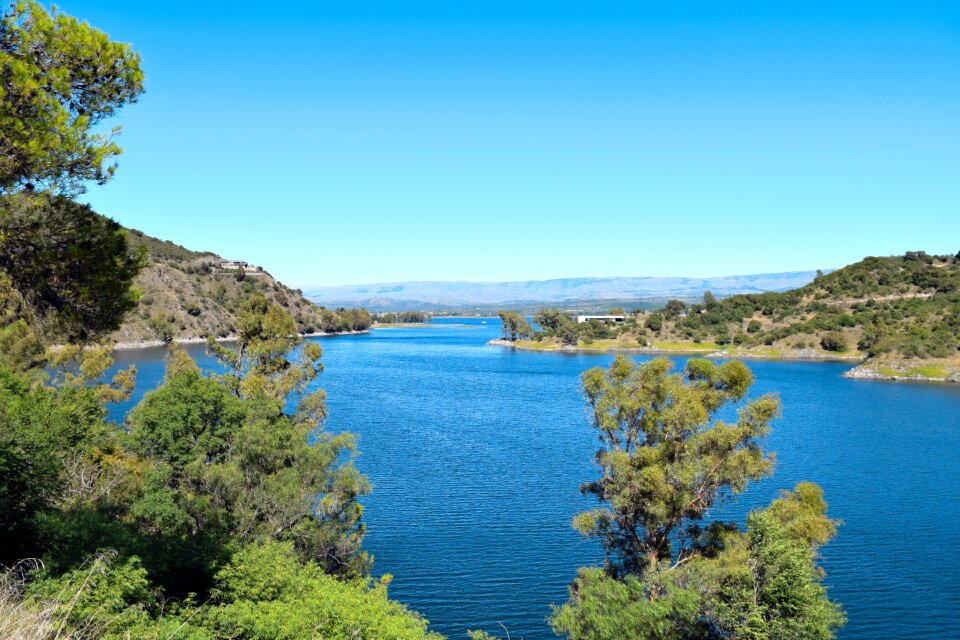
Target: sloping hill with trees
194,294
901,313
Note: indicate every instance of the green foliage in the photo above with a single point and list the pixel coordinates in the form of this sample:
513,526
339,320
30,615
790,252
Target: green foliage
761,584
833,341
71,267
515,326
60,79
674,308
207,463
654,322
402,317
265,592
908,306
665,462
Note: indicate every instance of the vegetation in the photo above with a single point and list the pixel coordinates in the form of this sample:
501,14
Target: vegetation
61,78
515,326
71,269
186,294
217,491
897,311
221,508
665,462
401,317
905,306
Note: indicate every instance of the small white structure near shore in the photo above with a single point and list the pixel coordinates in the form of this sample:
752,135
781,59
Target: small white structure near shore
582,319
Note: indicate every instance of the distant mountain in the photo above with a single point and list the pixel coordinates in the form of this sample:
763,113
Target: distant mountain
436,295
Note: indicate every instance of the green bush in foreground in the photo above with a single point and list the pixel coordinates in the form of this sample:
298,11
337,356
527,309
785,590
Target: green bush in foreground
264,592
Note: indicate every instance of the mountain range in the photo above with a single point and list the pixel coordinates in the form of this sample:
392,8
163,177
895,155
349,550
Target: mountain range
436,295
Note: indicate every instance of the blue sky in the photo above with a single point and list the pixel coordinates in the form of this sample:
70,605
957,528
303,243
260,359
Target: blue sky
348,142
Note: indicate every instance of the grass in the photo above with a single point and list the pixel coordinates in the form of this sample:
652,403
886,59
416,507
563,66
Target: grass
602,345
924,371
533,345
687,346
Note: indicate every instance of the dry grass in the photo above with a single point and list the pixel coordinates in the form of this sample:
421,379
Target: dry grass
27,618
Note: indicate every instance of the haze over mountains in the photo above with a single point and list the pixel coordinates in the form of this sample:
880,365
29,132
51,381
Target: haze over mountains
435,295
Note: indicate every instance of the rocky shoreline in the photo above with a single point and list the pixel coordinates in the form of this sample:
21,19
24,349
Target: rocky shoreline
151,344
870,372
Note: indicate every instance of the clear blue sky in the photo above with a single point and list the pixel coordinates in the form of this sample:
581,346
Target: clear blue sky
346,142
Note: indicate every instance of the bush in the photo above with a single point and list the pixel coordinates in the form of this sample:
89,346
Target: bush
833,341
754,326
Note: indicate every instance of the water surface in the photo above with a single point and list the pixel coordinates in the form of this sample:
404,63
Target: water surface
477,453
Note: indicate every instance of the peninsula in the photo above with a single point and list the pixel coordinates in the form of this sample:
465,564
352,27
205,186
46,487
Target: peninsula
898,316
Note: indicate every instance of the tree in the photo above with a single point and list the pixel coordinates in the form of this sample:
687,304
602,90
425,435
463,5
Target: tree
754,326
722,335
674,308
709,300
73,268
762,583
60,79
515,326
654,322
665,462
549,320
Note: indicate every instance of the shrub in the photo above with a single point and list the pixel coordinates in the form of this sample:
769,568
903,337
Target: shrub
833,341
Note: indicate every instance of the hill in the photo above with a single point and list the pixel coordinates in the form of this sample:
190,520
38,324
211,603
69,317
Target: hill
189,295
578,292
902,313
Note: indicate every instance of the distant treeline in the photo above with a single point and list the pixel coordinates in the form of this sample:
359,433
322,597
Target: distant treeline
401,317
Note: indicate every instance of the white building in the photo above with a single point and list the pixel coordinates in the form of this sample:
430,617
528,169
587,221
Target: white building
582,319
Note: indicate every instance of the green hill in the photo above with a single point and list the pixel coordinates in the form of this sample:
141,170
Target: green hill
907,306
194,294
900,313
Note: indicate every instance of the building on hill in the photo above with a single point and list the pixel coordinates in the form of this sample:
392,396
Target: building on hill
239,265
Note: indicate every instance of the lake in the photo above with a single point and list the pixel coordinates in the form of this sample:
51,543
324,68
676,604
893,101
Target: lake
477,454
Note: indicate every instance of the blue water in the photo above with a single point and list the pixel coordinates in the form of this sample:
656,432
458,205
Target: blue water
477,453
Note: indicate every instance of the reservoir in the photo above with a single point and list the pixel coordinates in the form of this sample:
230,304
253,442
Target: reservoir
477,453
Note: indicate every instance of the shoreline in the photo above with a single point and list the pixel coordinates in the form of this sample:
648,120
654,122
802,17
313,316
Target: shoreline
152,344
891,370
901,373
805,355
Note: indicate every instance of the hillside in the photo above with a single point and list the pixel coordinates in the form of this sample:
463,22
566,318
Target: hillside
194,294
576,292
901,312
